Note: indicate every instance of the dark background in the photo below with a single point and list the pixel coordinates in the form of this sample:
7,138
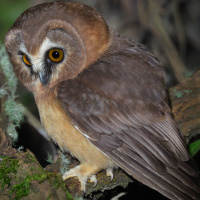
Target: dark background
178,32
169,28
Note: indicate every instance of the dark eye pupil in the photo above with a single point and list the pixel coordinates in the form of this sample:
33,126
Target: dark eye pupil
27,58
55,54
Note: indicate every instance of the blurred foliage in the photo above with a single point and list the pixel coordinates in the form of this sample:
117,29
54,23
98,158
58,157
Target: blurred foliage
9,11
194,148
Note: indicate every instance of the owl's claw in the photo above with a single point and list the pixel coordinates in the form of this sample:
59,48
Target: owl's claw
93,179
83,183
82,172
109,172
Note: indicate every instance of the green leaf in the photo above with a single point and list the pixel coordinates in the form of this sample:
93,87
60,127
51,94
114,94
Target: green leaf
194,148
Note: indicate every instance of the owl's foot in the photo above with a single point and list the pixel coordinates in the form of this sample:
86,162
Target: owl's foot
83,172
109,172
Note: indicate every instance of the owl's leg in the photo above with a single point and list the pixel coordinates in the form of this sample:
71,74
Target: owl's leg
83,172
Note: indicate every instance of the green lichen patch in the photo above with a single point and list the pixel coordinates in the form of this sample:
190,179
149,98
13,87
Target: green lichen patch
64,163
187,91
30,185
179,93
49,158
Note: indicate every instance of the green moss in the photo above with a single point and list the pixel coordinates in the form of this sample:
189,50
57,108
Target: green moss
29,158
57,182
49,197
3,157
25,172
68,195
7,166
22,189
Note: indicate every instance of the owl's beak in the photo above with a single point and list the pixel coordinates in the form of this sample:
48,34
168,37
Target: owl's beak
43,78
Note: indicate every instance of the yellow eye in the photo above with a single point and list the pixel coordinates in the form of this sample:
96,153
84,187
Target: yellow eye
56,55
26,60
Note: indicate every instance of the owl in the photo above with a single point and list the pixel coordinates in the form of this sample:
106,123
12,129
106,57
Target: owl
101,97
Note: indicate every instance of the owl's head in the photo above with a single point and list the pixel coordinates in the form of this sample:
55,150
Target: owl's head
53,42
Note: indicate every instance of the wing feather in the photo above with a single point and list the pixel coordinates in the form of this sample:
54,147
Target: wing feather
154,181
119,103
153,146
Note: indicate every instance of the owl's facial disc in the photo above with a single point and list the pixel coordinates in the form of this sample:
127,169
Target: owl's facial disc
44,64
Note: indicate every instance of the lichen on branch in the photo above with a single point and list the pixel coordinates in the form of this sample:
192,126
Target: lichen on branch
8,87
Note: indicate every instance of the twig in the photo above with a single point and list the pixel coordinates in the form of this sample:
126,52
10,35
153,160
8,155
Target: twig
33,121
179,29
168,46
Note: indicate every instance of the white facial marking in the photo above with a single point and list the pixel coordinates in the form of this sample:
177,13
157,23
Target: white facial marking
23,49
37,60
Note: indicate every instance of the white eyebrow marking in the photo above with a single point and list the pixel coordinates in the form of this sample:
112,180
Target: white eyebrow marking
23,49
38,59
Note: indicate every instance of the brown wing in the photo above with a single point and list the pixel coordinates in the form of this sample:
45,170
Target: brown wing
119,104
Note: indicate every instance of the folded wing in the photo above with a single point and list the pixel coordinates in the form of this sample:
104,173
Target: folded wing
119,103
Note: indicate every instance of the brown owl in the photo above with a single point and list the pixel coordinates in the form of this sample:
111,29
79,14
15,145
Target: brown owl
101,97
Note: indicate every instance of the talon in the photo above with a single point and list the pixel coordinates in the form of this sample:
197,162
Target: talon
65,176
70,173
109,172
82,172
94,180
83,183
